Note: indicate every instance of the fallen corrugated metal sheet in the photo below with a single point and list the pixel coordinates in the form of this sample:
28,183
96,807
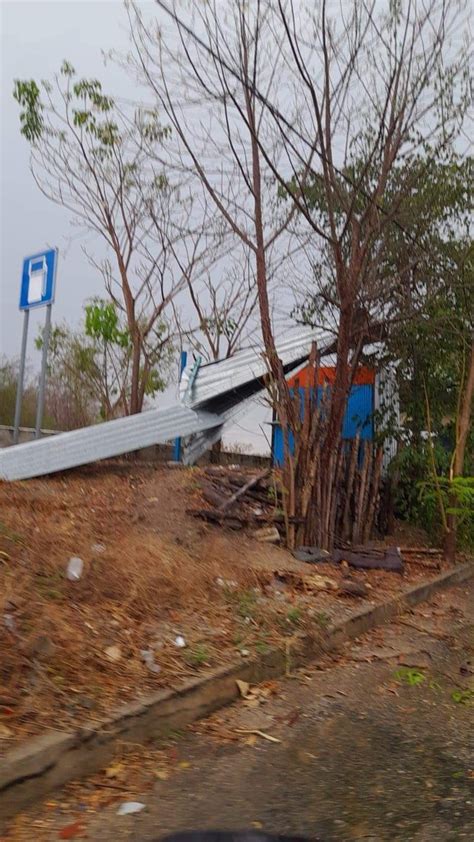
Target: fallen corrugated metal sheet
113,438
219,393
247,368
229,386
197,444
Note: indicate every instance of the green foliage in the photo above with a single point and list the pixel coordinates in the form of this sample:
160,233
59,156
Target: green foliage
294,615
27,94
417,491
457,497
8,388
410,676
198,655
94,365
102,324
412,468
463,697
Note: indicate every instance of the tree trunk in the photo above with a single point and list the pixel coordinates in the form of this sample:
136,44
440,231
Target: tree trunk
135,402
463,422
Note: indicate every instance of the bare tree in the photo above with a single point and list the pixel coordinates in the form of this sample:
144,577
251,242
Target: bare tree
102,163
222,305
320,109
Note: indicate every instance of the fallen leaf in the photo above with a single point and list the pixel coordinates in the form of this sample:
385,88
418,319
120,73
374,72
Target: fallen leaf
113,653
258,733
71,831
5,732
244,688
257,825
162,774
114,771
185,764
251,740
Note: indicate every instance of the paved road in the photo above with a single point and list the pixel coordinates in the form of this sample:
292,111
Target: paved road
362,756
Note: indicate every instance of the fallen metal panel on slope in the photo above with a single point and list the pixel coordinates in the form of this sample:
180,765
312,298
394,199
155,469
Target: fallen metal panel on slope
112,438
215,380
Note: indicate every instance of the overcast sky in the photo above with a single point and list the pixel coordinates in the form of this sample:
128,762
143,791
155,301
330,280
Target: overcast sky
35,38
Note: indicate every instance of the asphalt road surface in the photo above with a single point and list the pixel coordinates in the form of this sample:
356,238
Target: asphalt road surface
362,754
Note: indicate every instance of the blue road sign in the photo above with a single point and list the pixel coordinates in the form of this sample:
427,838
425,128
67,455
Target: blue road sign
38,279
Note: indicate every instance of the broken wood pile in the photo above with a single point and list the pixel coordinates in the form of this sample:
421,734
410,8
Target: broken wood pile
238,499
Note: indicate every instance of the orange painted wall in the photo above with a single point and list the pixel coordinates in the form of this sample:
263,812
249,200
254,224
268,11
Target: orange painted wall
364,376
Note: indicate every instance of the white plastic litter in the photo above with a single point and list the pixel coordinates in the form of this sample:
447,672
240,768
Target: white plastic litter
74,569
9,622
148,656
180,642
129,807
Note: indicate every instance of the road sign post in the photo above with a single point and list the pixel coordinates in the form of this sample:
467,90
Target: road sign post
21,377
42,382
38,282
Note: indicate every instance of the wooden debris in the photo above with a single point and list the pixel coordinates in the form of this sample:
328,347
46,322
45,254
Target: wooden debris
243,490
237,499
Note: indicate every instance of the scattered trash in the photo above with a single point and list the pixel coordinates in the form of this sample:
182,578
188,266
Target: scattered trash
179,641
114,653
367,558
129,807
98,548
310,554
74,569
148,656
267,535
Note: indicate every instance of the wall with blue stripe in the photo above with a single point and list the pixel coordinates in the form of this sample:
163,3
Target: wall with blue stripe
358,419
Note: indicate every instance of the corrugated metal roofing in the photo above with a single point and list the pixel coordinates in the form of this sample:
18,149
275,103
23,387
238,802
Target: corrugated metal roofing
79,447
197,444
215,380
227,387
220,393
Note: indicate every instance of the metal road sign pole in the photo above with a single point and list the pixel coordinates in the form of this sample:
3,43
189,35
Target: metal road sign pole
42,383
21,376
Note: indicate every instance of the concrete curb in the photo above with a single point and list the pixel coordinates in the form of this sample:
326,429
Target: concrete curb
29,772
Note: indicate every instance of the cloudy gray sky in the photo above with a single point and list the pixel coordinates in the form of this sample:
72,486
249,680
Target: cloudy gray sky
35,38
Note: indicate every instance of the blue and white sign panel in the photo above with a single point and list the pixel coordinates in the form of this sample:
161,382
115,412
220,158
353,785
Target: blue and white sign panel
38,279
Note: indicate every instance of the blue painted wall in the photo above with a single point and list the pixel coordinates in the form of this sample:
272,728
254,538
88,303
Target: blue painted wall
358,418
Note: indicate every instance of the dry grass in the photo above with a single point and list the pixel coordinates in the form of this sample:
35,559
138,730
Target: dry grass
153,577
